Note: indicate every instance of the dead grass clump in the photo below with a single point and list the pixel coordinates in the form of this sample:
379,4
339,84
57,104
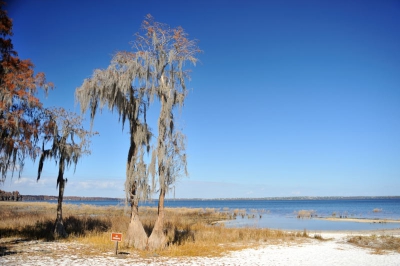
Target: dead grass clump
304,233
319,237
377,243
210,210
306,214
241,212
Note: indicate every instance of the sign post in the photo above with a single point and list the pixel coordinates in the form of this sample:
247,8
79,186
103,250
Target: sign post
116,237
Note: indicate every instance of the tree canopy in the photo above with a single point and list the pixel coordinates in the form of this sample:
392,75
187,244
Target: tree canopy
21,112
69,141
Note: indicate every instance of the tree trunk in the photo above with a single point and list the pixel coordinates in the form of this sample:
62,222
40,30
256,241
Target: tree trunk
136,236
59,230
157,239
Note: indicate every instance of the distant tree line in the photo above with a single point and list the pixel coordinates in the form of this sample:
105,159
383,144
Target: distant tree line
10,196
74,198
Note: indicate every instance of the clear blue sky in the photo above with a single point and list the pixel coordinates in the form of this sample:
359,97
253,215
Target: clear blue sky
290,98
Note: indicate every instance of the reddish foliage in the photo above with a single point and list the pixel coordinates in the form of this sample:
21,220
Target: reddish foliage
20,108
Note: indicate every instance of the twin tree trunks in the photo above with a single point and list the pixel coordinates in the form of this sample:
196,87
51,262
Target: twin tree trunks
136,235
155,69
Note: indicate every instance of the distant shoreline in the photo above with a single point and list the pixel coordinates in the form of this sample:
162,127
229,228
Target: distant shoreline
78,198
67,198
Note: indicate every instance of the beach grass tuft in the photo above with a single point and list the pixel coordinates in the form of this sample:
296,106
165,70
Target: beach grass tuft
306,214
378,243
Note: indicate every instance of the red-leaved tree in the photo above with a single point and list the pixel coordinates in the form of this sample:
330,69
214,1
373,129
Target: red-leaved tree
21,112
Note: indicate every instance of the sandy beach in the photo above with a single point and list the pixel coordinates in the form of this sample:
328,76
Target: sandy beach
333,250
359,220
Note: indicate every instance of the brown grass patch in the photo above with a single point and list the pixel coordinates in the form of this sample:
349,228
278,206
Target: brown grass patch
306,214
189,230
378,243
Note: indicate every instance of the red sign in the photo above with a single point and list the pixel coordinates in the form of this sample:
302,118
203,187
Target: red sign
116,237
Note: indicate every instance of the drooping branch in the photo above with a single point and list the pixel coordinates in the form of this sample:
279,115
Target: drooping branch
167,50
69,140
122,88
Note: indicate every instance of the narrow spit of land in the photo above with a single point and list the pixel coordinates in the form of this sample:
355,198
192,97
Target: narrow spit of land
359,220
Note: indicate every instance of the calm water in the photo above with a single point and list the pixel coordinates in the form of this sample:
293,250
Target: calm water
282,214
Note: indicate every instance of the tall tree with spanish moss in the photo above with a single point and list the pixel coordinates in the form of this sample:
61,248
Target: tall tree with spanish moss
123,88
68,141
21,112
167,52
155,69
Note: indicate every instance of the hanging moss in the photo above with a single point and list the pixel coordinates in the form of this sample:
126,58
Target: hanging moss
155,70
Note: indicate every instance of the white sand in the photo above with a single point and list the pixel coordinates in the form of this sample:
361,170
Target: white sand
335,251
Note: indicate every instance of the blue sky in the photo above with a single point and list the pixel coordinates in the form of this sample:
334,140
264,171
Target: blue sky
290,98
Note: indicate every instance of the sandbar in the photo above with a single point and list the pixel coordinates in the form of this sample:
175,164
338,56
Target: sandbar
358,220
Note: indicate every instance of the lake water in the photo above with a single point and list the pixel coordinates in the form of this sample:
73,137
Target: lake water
282,214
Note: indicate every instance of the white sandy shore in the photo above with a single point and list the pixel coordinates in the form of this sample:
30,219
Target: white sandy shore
358,220
335,251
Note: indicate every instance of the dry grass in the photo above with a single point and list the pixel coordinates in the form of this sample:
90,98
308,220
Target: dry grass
189,230
319,237
306,214
241,212
216,240
378,243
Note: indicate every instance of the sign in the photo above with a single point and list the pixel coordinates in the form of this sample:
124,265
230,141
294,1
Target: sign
116,237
